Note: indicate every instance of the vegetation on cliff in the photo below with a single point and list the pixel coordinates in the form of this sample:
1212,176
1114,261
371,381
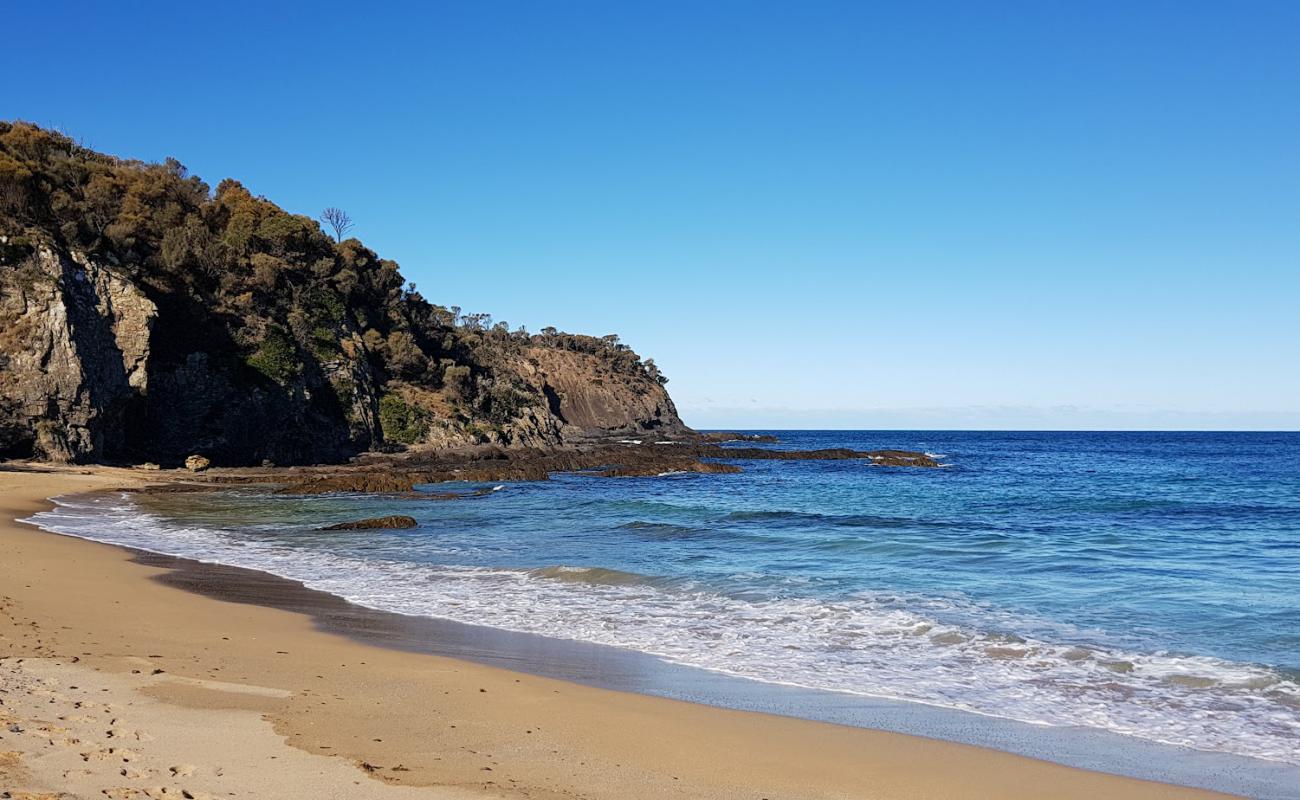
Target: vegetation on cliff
267,338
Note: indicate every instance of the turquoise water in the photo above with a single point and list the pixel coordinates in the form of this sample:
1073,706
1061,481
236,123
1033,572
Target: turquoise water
1142,583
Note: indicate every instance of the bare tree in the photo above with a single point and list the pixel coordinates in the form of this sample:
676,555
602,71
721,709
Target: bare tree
337,219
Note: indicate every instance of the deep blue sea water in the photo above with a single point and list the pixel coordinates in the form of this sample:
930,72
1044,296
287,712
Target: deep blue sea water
1142,583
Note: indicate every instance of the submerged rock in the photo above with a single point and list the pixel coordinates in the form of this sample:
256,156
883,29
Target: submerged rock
375,523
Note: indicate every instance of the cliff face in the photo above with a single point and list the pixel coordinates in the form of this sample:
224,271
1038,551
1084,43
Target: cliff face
80,381
73,356
145,317
589,398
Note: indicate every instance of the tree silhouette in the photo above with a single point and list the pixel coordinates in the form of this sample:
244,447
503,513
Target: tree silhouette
337,219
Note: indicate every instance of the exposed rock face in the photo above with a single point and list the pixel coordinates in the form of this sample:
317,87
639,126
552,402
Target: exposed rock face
73,355
206,400
82,379
589,399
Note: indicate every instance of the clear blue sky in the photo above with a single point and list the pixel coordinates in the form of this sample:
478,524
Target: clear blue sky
811,214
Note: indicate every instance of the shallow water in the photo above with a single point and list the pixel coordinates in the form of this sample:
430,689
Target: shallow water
1144,584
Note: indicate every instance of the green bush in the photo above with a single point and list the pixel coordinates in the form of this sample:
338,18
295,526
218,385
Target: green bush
506,402
276,357
324,343
401,422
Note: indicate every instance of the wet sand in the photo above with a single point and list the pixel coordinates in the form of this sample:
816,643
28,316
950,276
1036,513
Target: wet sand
217,698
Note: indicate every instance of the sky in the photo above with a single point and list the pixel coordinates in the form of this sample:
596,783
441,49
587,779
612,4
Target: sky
810,214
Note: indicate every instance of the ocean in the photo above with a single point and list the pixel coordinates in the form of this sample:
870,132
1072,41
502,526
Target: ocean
1144,584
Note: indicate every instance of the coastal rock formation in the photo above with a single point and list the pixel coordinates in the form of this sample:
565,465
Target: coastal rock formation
147,317
718,437
879,458
401,474
392,522
590,398
74,343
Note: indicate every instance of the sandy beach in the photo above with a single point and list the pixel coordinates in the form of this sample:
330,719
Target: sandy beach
116,685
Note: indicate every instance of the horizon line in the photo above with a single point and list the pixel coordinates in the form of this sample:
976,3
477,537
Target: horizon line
727,429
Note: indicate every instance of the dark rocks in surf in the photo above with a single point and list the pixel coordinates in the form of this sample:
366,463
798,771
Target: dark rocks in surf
901,458
880,458
718,437
395,521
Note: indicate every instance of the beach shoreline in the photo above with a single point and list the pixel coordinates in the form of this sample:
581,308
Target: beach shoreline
185,659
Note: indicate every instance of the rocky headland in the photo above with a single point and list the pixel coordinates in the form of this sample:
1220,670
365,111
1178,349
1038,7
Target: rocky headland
148,319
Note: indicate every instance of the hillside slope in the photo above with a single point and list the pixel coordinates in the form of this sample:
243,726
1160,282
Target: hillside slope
144,316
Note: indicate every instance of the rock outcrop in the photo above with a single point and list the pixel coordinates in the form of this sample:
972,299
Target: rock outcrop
401,474
74,348
391,522
590,399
